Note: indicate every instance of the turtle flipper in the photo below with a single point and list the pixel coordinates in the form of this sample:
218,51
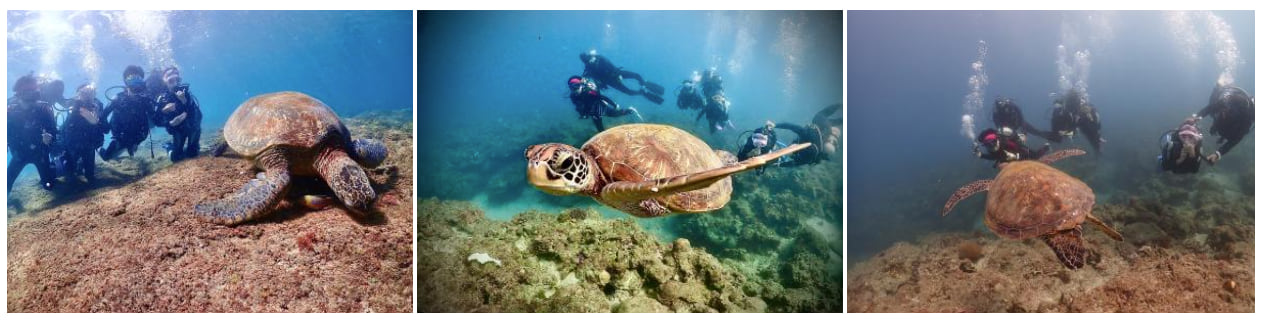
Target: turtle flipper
1054,156
964,192
346,178
639,190
1068,246
255,198
1112,233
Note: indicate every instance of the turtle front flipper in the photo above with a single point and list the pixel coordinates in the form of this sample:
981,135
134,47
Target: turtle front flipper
964,192
1112,233
1054,156
1068,246
253,199
346,178
639,190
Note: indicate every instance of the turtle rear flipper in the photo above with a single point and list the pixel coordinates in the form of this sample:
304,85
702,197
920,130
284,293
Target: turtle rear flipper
964,192
1068,247
1112,233
254,198
640,190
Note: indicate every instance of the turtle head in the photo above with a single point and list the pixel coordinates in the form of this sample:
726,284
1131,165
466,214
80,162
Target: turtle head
559,169
368,152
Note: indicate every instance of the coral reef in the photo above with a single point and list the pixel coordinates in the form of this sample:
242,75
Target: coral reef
782,227
138,248
1185,251
574,261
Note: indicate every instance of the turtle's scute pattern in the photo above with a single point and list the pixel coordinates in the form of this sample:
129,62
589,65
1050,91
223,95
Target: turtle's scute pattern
639,152
283,118
1029,199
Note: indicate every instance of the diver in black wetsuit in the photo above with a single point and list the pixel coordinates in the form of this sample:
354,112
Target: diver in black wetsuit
589,103
1073,111
824,134
1008,114
689,96
715,113
761,141
82,133
180,114
1232,110
1005,145
130,115
606,74
31,133
1181,149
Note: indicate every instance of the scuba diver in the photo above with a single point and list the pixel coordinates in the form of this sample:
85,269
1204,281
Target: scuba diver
179,112
606,74
82,134
155,83
1073,111
824,134
1005,145
1181,149
589,103
129,115
1232,110
31,133
715,113
52,91
761,141
688,96
711,83
1008,114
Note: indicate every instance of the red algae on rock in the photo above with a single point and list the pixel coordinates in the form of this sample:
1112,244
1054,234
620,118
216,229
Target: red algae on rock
138,248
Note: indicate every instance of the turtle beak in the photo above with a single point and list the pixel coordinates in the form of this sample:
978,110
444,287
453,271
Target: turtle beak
542,177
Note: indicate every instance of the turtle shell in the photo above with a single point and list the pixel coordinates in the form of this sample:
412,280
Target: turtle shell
1028,199
282,118
638,152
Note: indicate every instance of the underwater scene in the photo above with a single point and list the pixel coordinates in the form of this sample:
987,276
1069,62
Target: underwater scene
629,161
1051,161
210,161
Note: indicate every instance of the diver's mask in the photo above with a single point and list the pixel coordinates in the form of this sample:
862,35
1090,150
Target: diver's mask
86,93
134,82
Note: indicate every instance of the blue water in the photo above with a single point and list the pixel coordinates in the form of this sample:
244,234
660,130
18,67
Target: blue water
909,75
480,71
354,61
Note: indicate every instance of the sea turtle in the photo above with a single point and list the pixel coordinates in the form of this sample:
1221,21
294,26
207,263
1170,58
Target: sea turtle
645,170
292,133
1031,199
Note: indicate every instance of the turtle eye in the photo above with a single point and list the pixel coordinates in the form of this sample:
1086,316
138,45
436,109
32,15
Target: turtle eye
565,164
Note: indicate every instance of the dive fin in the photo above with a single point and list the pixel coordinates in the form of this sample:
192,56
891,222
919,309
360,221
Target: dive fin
656,89
655,98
